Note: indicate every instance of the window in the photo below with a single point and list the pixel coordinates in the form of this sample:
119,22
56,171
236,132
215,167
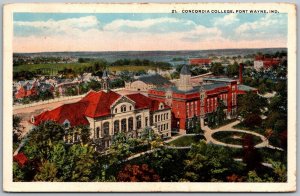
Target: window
130,124
167,126
138,122
66,123
123,108
98,132
161,106
116,127
146,121
155,118
158,118
167,116
123,125
106,128
130,108
116,110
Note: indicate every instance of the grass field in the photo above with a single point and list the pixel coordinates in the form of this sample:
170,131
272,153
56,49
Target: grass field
187,140
77,67
233,137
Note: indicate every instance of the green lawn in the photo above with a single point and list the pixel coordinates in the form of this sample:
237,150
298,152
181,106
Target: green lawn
187,140
77,66
233,137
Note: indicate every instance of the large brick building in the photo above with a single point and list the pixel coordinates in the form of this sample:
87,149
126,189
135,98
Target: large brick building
190,102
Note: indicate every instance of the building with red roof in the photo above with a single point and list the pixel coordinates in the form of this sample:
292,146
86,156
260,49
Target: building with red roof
261,62
21,159
107,113
200,61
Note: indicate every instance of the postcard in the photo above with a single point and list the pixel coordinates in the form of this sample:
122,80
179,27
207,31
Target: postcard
174,97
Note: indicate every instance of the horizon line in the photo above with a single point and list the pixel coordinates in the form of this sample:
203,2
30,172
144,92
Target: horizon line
148,50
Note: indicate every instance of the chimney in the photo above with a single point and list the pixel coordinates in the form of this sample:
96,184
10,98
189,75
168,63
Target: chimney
241,73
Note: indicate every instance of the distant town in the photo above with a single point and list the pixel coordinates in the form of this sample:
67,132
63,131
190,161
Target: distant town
151,116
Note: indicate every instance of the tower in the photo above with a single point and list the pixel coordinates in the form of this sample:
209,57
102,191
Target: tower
185,79
105,81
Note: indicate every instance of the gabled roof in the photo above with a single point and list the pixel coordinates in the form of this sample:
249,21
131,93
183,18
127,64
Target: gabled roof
73,112
94,104
99,103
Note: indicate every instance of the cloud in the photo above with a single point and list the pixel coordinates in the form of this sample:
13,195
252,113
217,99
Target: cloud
157,25
226,20
50,27
165,33
268,27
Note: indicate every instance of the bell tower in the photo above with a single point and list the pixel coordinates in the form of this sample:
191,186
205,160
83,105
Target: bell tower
185,79
105,81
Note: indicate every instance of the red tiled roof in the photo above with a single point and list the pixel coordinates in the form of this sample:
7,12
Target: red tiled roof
73,112
94,104
99,103
145,102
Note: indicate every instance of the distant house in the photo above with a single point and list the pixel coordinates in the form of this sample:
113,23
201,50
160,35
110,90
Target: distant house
26,89
260,62
200,61
146,82
21,159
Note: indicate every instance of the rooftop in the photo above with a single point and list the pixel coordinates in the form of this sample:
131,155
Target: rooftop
243,87
155,79
219,79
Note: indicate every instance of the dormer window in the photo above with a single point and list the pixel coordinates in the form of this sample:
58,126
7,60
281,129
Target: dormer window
67,123
130,108
116,110
123,108
161,106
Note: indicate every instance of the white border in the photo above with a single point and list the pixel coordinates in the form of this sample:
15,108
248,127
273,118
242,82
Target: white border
8,185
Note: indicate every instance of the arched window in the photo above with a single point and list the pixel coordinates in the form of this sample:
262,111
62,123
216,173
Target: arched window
138,122
116,127
130,124
116,110
123,108
106,128
123,125
130,108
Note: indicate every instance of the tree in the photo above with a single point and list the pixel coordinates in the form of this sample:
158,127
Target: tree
207,162
119,150
17,129
47,172
233,69
252,120
251,156
251,103
217,69
220,112
42,138
137,173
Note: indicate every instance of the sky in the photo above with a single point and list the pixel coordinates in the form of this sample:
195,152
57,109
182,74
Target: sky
51,32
